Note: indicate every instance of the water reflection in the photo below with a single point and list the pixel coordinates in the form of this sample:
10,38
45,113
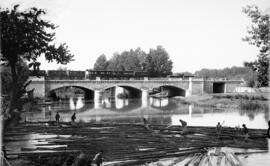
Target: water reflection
107,103
159,102
195,112
231,118
76,103
164,104
115,109
71,104
157,111
120,103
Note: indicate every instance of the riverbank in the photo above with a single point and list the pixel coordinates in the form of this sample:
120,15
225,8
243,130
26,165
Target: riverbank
123,144
246,101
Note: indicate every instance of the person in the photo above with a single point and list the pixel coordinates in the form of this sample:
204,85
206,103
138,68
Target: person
245,131
73,117
98,159
184,126
4,151
183,123
57,118
50,114
81,160
218,129
146,125
268,131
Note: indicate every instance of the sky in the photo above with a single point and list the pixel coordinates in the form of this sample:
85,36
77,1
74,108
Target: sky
196,33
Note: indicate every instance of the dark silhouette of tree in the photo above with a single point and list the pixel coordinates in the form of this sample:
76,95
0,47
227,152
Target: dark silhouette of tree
6,77
116,63
258,35
127,60
131,61
101,63
149,65
141,55
158,63
25,37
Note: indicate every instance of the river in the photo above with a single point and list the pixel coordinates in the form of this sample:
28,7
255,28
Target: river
157,111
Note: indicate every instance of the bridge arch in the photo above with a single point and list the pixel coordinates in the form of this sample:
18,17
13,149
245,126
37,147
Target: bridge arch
172,90
132,90
88,93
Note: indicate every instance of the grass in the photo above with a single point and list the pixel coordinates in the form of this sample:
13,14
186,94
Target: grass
236,101
242,96
253,105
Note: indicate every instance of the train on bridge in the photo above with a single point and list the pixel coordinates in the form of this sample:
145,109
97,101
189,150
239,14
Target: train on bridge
90,74
117,75
97,75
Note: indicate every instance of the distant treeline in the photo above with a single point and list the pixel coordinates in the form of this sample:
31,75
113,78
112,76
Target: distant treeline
156,62
231,73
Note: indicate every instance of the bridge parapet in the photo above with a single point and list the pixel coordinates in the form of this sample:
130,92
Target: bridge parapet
120,81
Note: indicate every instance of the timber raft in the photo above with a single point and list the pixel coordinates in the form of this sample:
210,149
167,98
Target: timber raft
129,144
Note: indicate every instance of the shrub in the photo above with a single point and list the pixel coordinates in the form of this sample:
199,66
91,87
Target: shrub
251,105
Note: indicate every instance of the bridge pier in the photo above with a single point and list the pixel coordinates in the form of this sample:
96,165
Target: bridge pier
97,98
144,98
190,108
189,90
118,90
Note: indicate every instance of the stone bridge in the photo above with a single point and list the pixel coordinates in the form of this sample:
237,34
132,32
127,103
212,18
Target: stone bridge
180,87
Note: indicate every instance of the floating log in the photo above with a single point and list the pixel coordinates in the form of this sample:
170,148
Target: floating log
128,143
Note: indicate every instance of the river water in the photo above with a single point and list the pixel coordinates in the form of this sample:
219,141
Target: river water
157,111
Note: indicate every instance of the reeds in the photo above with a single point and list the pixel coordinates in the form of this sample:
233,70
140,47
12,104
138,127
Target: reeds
241,96
252,105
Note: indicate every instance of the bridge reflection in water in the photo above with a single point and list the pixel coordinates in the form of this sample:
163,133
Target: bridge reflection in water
163,110
157,111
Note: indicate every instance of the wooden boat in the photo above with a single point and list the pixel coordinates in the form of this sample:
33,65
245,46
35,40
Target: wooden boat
163,94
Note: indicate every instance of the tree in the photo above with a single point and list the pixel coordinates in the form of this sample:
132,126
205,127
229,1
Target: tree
131,60
101,63
259,36
127,60
141,56
6,77
148,65
158,63
6,80
25,37
116,63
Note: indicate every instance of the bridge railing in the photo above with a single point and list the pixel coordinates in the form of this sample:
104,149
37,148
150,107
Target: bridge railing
117,81
167,78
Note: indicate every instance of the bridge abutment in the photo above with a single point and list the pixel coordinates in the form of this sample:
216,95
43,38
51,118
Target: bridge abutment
38,84
197,86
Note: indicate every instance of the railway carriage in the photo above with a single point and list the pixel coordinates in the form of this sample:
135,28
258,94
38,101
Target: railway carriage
115,75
